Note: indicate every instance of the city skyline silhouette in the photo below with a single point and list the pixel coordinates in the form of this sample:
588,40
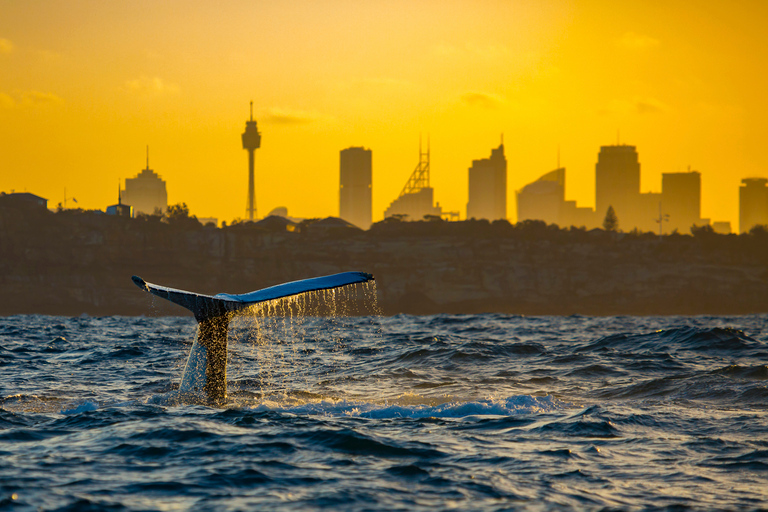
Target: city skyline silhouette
677,80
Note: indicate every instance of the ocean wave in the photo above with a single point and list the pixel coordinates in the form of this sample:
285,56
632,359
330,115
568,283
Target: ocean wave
515,405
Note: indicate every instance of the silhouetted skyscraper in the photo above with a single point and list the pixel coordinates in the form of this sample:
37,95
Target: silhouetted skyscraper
617,182
488,187
753,203
251,142
543,199
681,200
416,199
355,186
146,192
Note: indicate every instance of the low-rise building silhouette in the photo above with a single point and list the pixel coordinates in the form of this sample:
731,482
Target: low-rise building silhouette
355,186
722,227
23,200
120,209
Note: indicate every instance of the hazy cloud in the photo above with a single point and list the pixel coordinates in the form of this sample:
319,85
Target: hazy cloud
35,98
636,105
471,51
481,99
632,41
282,116
155,86
6,101
5,46
22,99
649,105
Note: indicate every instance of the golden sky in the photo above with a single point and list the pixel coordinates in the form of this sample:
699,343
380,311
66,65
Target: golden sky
86,85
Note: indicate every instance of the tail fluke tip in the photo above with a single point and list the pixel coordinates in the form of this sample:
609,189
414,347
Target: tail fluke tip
139,282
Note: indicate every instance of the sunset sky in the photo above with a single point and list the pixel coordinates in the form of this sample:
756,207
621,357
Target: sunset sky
86,85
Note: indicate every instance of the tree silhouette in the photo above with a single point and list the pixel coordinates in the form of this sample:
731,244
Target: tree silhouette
611,222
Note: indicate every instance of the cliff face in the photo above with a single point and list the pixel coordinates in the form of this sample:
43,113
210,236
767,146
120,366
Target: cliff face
73,263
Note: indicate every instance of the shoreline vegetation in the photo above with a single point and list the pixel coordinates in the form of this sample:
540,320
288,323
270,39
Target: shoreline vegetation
73,262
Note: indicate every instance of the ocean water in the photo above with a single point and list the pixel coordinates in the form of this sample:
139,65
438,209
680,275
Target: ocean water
473,412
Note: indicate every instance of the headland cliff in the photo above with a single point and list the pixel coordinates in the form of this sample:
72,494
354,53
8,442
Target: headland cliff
74,262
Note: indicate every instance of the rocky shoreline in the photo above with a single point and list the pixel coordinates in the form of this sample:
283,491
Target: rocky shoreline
70,263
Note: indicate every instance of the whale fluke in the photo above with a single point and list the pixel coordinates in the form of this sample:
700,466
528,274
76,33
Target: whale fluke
205,373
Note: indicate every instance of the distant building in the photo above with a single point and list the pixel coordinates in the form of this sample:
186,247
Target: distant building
681,200
146,192
544,199
23,200
617,183
722,227
208,220
753,203
355,186
647,209
488,187
120,209
416,199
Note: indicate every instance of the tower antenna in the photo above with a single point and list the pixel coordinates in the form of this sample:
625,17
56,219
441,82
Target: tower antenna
147,156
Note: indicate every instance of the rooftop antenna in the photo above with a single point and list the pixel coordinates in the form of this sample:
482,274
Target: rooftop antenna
251,110
419,179
119,193
147,156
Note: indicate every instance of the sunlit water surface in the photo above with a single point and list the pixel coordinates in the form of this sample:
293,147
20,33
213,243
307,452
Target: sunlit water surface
477,412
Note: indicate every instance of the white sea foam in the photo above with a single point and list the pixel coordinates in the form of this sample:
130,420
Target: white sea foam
522,404
80,408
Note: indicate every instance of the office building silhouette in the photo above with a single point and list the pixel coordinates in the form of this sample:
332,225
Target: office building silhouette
355,186
753,203
544,199
488,187
681,200
617,183
146,192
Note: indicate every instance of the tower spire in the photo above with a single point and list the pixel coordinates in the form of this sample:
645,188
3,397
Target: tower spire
147,156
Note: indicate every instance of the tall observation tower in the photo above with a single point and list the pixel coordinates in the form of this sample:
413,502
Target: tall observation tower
251,142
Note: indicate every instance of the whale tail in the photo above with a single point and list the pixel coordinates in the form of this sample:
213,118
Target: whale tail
205,373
